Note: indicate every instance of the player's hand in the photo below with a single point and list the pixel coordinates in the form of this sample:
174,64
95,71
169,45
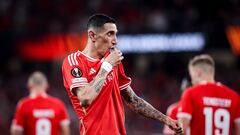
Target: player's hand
176,126
115,57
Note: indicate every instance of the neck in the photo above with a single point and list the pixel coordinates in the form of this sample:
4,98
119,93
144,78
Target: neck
36,93
206,80
91,50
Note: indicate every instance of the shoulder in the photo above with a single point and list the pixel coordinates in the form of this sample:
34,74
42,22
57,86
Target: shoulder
191,89
71,59
172,107
23,102
229,91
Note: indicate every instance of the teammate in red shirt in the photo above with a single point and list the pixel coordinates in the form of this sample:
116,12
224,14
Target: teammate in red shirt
172,110
39,113
208,108
96,83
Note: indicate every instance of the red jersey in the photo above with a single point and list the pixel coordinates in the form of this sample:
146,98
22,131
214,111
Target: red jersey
172,111
40,115
105,116
212,109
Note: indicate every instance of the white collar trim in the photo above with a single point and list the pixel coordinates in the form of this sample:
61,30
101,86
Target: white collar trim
89,58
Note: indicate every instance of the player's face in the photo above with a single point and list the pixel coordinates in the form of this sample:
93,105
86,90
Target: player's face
106,38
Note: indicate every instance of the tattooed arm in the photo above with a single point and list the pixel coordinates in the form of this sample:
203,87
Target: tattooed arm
88,93
142,107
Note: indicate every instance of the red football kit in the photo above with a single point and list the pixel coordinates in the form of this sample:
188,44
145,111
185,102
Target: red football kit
172,111
212,109
105,116
41,115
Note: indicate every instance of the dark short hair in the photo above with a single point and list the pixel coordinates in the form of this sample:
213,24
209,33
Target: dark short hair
98,20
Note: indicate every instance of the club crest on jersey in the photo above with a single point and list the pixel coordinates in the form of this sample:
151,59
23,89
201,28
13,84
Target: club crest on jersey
76,72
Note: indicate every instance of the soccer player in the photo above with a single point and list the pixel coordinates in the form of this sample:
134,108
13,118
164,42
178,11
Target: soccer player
172,110
208,107
96,83
39,113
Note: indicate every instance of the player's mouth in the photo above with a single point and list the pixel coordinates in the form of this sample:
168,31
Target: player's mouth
112,49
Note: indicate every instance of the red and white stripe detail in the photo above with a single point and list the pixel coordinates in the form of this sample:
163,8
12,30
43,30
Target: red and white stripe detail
81,84
79,80
237,120
88,57
72,59
17,127
124,86
65,122
184,115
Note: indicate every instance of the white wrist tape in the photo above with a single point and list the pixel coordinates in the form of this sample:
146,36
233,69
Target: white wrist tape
107,66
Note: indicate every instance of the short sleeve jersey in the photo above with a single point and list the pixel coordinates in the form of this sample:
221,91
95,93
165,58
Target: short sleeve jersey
172,111
105,116
212,108
40,115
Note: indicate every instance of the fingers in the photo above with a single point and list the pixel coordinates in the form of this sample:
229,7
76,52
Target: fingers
176,127
115,57
116,51
121,58
179,129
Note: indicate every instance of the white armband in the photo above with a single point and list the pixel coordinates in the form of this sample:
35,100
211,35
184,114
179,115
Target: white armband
107,66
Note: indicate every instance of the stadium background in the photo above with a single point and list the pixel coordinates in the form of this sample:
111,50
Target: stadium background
36,35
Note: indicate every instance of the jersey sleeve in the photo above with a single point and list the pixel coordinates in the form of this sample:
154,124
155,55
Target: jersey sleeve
172,111
123,80
73,73
19,120
64,118
185,106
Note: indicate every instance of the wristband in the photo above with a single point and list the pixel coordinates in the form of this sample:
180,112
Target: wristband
107,66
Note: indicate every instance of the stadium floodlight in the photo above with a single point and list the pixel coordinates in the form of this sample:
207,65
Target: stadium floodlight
147,43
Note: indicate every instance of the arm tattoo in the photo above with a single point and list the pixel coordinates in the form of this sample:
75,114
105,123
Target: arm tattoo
99,80
140,106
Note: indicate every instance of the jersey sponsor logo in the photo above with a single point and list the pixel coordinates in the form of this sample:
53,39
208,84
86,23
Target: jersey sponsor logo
39,113
221,102
108,79
76,72
92,71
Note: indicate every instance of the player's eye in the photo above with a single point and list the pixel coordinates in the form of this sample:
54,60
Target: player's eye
110,33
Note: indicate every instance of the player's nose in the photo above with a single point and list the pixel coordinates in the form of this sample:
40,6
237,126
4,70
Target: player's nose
114,41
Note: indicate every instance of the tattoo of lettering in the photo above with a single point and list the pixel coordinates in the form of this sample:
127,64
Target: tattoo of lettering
99,80
140,106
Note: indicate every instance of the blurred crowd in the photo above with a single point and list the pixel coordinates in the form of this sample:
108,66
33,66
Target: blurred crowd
26,18
155,77
22,20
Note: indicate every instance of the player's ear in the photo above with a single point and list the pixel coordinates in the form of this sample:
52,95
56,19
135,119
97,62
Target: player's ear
199,72
29,86
92,35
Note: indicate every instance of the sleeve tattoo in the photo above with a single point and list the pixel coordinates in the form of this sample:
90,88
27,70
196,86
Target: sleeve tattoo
140,106
98,81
